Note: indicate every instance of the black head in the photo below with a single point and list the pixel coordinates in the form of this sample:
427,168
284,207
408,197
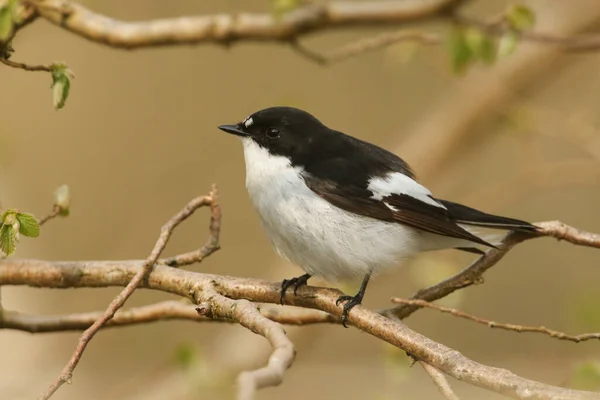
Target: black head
283,131
296,134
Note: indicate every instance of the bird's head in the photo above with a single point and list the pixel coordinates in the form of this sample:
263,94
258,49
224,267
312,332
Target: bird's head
283,131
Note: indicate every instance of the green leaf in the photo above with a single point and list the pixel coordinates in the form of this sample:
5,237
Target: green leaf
62,200
8,239
61,84
473,38
508,44
482,46
461,54
8,217
7,16
520,17
488,50
586,376
29,225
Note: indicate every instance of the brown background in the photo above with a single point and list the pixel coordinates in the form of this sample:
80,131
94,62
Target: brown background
138,139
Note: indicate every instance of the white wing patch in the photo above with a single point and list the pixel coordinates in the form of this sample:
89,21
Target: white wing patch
391,207
397,183
248,122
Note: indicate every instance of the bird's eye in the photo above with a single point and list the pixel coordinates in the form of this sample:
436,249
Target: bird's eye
273,133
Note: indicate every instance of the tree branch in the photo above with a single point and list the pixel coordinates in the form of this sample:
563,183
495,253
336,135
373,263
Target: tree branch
561,231
63,274
26,67
163,311
226,29
121,298
492,324
211,245
248,316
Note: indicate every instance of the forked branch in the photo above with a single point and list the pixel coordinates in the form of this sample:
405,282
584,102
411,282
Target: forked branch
121,298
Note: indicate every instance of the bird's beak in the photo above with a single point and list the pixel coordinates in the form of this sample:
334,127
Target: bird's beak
233,129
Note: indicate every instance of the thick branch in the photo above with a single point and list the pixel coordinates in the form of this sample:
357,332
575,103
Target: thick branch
247,315
225,29
186,283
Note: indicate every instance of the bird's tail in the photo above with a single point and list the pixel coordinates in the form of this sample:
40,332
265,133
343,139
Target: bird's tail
491,228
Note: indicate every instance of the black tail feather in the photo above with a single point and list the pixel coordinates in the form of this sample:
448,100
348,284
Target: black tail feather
470,216
473,250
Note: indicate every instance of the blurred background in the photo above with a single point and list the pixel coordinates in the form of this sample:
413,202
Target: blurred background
138,139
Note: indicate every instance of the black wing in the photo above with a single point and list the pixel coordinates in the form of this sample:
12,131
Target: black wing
345,186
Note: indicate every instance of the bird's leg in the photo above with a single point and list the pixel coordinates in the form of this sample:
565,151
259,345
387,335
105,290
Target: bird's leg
295,282
352,301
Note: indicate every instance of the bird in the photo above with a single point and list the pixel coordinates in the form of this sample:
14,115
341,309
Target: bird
342,208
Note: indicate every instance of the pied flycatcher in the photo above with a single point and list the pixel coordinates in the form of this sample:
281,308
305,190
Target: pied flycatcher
339,207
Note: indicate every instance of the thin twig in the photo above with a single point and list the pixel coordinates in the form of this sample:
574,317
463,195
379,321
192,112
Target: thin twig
211,245
121,298
440,381
247,315
492,324
561,231
26,67
366,45
53,214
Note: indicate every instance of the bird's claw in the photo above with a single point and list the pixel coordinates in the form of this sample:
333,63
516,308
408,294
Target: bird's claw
295,282
351,301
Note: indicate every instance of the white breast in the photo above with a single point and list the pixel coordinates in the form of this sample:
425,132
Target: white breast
310,232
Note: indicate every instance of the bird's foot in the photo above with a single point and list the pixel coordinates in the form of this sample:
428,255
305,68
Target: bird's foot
295,282
351,301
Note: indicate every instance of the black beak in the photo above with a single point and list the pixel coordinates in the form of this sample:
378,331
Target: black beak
233,129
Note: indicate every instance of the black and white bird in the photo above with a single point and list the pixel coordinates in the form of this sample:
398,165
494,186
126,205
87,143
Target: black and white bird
339,207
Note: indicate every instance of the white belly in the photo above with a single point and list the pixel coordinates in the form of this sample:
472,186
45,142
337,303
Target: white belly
320,238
